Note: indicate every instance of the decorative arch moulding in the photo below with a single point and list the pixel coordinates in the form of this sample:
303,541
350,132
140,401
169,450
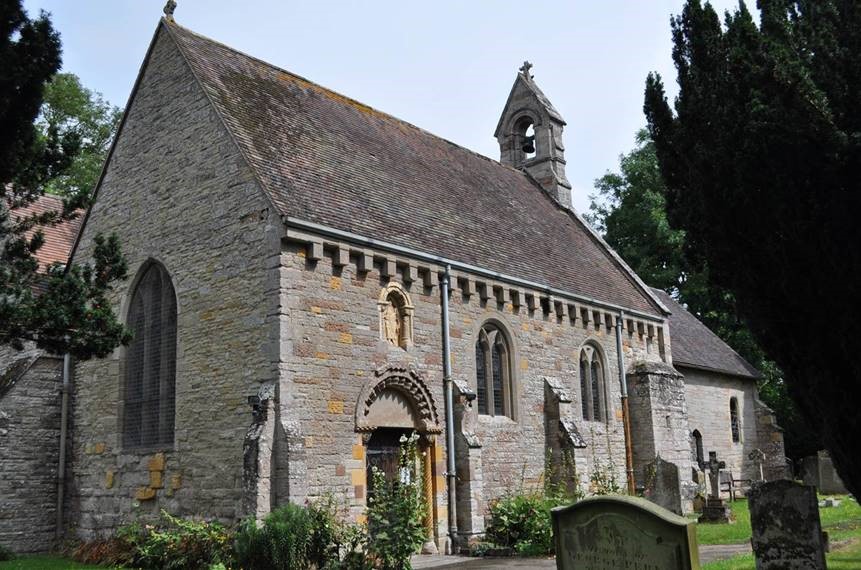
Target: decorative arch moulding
408,382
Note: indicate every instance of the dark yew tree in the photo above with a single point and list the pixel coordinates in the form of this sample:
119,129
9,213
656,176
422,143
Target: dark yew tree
762,163
630,211
64,308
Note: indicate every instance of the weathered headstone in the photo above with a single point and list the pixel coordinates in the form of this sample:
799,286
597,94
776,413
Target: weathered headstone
787,534
606,533
758,458
663,486
715,510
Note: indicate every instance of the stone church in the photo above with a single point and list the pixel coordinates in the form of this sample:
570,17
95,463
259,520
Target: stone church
312,278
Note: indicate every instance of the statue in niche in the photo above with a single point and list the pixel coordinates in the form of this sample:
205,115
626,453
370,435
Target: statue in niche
392,323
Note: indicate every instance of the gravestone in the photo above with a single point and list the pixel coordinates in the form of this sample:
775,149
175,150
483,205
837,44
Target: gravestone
758,458
715,510
787,534
663,486
610,532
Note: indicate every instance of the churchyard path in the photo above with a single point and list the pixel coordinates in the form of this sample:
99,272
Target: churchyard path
708,553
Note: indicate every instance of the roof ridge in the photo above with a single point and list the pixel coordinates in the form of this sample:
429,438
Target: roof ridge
333,92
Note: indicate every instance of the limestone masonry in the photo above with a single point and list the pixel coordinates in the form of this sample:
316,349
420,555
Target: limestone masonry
305,237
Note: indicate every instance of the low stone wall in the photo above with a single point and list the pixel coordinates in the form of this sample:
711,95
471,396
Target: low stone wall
29,448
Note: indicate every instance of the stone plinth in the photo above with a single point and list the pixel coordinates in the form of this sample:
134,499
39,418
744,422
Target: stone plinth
716,511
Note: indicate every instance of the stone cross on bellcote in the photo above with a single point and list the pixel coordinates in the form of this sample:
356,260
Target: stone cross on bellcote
524,69
169,8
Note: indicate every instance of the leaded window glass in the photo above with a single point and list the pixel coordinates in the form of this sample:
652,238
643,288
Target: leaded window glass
593,397
493,373
150,366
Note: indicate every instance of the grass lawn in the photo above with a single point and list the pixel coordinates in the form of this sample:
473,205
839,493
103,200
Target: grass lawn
728,533
841,523
45,563
846,558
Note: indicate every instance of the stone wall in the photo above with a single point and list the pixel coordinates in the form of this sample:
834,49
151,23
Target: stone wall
331,346
30,394
177,191
708,395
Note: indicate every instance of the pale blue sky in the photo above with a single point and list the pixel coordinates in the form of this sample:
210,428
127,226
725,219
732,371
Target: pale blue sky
446,66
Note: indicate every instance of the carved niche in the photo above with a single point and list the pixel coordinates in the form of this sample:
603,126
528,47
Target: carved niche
397,396
396,316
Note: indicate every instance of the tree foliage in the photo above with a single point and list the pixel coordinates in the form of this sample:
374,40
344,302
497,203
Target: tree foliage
630,211
72,110
59,308
761,159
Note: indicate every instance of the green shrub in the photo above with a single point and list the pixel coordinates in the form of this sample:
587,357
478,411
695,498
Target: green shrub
603,479
396,512
354,548
6,554
522,522
176,543
284,541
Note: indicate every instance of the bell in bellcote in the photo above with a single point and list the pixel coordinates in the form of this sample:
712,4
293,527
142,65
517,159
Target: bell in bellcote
528,145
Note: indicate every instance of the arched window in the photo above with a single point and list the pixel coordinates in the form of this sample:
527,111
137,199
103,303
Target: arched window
733,420
593,397
697,441
150,366
494,372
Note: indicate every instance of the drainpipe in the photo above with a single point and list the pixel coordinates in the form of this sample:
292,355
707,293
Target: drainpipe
451,474
626,417
61,470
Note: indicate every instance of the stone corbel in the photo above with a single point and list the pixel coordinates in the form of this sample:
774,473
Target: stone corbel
315,250
467,286
484,290
342,257
410,273
366,261
499,293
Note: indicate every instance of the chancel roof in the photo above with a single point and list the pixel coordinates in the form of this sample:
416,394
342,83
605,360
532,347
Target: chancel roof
59,237
694,344
329,160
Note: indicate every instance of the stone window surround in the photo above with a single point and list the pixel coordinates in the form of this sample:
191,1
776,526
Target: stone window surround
595,359
735,421
120,357
488,333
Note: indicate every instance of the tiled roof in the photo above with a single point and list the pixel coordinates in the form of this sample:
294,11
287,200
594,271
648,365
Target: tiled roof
327,159
59,238
695,345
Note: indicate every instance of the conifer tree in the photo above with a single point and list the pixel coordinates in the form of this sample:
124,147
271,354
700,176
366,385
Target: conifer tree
761,156
61,309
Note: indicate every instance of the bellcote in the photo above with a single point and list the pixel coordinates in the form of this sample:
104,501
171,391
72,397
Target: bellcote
530,136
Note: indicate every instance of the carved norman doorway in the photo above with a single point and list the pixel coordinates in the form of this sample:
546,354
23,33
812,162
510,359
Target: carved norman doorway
391,406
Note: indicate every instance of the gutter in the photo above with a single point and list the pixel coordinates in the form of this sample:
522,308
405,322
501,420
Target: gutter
451,470
333,233
626,416
64,421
